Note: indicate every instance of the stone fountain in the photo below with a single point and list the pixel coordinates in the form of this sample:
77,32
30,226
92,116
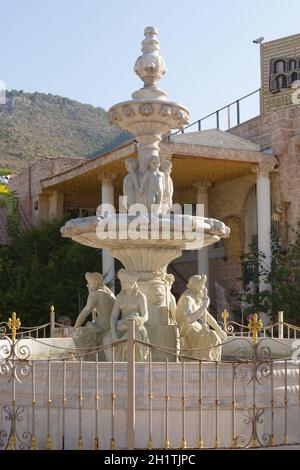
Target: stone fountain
148,116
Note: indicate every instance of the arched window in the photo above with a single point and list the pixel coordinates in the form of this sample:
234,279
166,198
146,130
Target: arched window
279,66
281,82
294,77
292,64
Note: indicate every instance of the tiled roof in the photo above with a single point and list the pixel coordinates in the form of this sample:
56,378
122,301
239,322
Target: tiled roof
24,224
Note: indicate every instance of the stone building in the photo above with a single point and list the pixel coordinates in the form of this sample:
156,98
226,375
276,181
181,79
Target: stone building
247,176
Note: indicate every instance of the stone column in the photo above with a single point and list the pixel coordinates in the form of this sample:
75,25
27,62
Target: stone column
202,198
108,262
56,205
263,188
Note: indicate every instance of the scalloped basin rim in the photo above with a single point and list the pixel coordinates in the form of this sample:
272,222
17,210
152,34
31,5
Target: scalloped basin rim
84,231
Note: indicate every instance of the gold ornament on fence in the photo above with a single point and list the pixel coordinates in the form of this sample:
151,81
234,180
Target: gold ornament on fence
225,316
254,326
14,324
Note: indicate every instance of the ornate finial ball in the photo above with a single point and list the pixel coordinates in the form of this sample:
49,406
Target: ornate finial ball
150,66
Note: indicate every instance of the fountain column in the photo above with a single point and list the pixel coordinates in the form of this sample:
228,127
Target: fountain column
202,198
108,262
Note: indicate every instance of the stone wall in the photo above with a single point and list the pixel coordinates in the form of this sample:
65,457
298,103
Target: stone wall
280,130
28,186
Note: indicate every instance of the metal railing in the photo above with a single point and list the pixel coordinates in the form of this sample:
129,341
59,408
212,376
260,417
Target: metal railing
47,330
249,402
52,329
279,329
222,118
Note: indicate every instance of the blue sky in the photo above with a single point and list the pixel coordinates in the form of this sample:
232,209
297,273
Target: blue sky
85,49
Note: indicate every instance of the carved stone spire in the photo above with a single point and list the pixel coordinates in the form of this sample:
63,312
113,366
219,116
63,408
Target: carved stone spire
150,67
149,114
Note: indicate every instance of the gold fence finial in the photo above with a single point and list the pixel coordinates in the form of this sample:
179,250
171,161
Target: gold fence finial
48,442
254,326
14,324
225,316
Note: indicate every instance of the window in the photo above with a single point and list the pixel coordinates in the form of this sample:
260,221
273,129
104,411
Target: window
279,66
281,82
283,72
294,77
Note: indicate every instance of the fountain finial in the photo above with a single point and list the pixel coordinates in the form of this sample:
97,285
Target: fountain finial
150,67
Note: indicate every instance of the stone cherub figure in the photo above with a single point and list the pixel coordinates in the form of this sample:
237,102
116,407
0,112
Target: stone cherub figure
131,187
129,303
100,300
205,337
167,202
152,185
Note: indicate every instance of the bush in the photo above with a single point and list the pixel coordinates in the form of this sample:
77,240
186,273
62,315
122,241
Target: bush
283,277
40,269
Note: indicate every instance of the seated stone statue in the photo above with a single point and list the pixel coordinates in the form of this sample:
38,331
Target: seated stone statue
129,303
198,340
100,300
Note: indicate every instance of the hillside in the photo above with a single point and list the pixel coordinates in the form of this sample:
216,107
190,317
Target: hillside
33,125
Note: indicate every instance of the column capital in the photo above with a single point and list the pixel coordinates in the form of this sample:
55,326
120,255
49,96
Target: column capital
107,179
202,186
264,168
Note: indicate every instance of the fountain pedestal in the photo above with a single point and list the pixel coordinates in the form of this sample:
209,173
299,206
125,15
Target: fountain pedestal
149,258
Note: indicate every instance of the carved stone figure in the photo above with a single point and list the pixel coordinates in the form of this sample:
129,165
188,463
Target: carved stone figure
152,185
156,295
167,202
205,337
129,303
171,301
100,300
131,188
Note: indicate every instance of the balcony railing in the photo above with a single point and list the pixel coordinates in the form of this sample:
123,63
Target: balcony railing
231,115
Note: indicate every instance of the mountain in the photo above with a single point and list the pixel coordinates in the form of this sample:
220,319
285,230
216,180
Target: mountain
34,125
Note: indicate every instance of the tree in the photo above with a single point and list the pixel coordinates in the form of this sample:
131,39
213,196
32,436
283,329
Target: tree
40,269
283,277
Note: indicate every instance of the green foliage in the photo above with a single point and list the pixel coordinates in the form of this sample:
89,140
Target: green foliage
40,269
4,171
283,277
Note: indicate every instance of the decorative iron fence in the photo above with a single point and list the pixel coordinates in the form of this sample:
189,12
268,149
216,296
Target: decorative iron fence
249,402
52,329
279,329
